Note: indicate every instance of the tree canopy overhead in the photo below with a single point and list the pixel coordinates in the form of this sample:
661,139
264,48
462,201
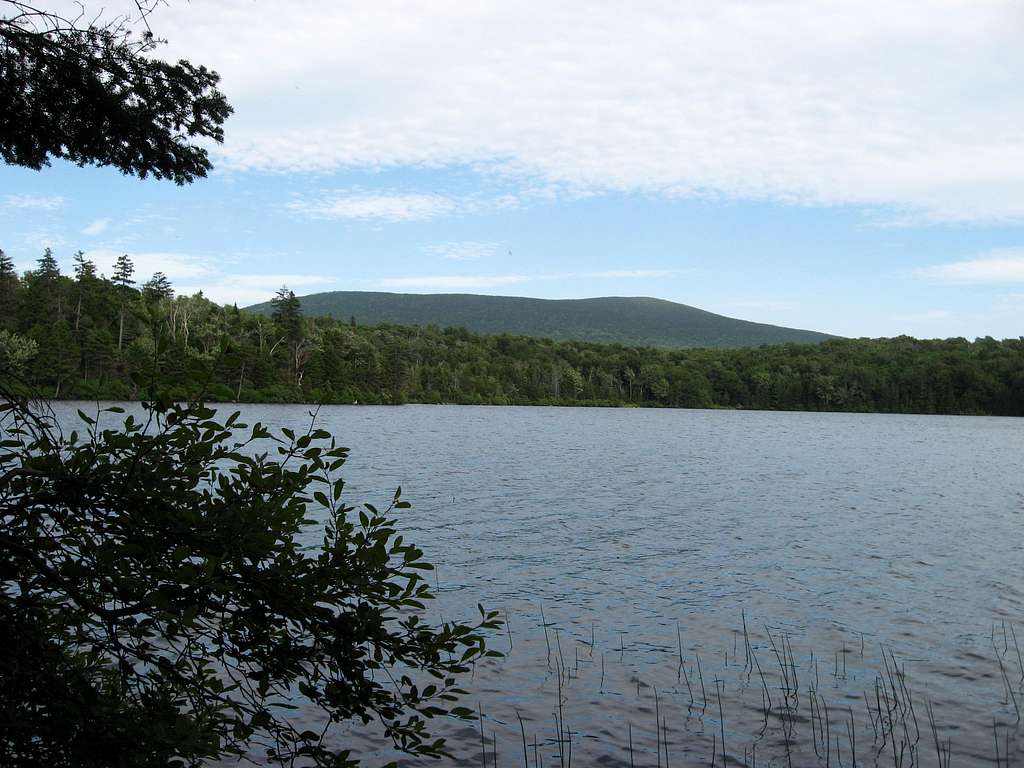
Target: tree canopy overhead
91,92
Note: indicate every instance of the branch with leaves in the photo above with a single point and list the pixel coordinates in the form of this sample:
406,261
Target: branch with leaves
170,604
86,90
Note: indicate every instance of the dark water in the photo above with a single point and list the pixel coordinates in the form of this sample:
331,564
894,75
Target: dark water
832,532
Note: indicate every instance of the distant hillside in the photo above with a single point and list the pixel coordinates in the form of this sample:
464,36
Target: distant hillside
635,321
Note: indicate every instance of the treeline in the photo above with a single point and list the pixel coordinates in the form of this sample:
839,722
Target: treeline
89,336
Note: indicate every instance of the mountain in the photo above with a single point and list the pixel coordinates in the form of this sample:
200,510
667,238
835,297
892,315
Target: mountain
633,321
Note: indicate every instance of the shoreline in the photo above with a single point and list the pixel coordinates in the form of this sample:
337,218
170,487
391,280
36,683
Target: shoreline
563,404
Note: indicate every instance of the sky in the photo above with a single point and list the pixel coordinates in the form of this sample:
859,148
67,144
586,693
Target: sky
855,168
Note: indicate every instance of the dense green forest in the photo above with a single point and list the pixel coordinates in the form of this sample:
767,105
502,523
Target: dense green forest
88,336
634,321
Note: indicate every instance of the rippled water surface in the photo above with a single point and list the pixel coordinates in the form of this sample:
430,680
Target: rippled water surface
839,534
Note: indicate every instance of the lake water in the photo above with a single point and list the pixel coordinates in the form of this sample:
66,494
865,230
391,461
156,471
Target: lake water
840,534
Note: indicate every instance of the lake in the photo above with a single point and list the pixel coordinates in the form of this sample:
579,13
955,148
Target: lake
646,535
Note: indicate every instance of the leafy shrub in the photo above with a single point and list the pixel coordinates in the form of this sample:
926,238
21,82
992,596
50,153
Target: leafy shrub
167,595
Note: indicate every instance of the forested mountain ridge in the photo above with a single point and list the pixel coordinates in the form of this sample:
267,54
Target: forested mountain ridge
91,337
634,321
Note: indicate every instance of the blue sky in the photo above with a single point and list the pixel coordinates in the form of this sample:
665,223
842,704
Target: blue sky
853,170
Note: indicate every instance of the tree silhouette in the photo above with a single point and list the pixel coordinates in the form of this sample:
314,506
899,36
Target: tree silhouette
88,92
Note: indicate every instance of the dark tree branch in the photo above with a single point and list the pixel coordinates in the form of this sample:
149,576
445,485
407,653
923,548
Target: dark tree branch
89,93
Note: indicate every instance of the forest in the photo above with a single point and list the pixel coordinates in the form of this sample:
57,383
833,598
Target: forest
89,336
636,321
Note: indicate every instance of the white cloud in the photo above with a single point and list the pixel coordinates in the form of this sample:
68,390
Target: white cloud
278,280
998,266
191,273
37,202
381,207
905,104
483,282
246,290
925,316
97,227
629,273
773,307
37,240
454,282
177,266
464,250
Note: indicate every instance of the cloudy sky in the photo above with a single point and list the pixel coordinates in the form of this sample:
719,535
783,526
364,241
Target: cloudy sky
855,168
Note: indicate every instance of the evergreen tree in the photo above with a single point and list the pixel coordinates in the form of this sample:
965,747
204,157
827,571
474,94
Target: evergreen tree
74,87
43,300
58,358
157,287
9,285
97,354
122,279
123,271
85,279
287,314
85,270
48,269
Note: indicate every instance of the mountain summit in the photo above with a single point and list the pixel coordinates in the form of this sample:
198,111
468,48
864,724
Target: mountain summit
633,321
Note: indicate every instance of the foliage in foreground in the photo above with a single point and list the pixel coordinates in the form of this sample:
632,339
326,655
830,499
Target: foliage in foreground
171,589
